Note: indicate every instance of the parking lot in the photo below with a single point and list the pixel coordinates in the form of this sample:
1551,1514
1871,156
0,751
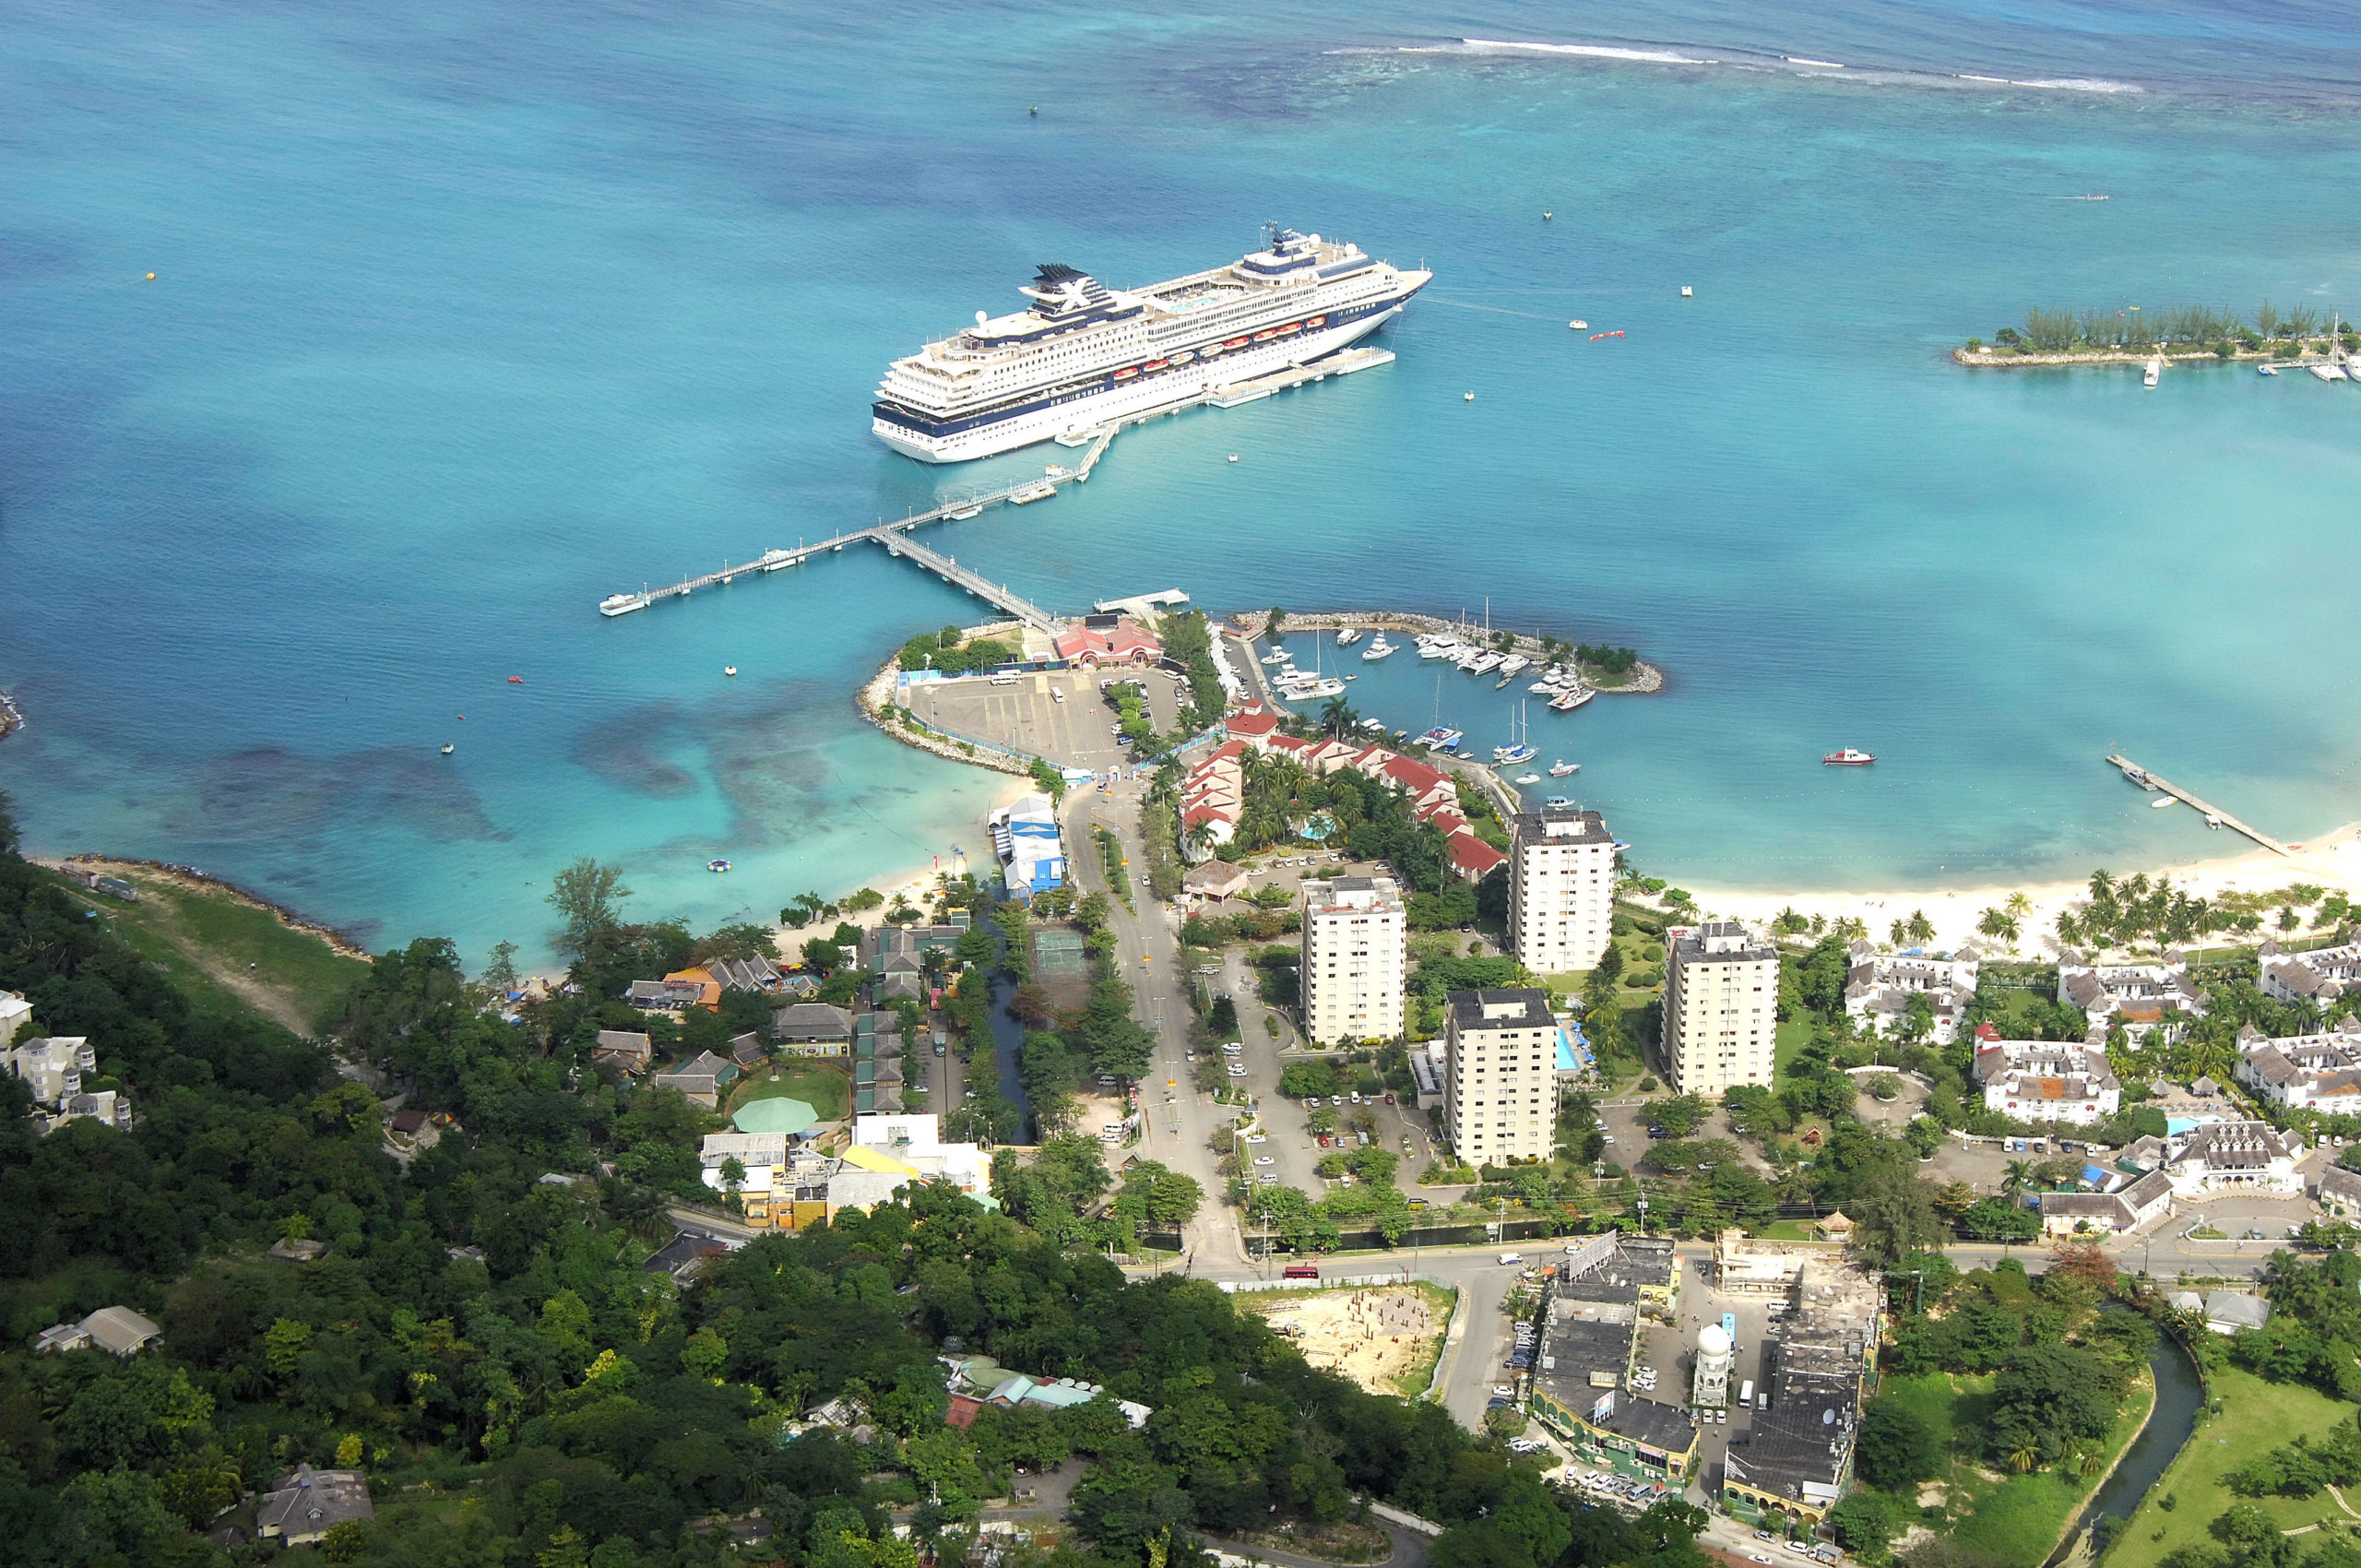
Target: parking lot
1056,714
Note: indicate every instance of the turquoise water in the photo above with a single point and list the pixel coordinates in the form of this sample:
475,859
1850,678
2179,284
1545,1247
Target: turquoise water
460,325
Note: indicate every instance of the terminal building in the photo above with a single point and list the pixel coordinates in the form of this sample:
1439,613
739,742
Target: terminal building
1025,835
1607,1290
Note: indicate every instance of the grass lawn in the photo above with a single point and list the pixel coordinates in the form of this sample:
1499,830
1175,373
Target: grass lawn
1792,1039
226,954
2017,1518
828,1090
2255,1417
1786,1230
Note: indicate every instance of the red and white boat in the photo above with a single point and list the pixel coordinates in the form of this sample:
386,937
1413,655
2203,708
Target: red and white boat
1848,757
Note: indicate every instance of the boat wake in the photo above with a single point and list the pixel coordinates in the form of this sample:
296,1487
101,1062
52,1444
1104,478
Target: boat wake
1789,64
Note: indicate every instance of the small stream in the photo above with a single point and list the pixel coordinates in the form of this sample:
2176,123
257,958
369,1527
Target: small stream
1008,1033
2179,1393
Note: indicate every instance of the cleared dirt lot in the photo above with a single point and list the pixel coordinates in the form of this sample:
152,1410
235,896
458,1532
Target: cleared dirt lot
1384,1341
1028,715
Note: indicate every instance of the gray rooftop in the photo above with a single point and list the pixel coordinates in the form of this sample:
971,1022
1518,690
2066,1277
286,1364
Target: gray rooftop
1469,1009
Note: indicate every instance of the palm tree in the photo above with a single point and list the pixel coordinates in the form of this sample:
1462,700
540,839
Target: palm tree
2017,905
2024,1453
1336,716
2014,1177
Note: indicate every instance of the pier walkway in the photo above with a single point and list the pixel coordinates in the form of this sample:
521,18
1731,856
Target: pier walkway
2147,780
893,537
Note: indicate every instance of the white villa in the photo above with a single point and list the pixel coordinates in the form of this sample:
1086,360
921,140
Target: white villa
1878,986
2149,996
2233,1156
2318,976
2045,1080
2314,1072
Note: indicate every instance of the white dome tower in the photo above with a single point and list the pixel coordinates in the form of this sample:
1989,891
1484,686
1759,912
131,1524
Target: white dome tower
1713,1385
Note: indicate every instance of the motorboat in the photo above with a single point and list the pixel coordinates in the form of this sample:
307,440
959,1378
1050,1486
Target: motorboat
1563,769
1438,648
1512,663
1485,663
1578,324
1527,779
1346,636
2154,372
730,669
2161,802
1848,757
1558,804
1573,699
1381,648
448,748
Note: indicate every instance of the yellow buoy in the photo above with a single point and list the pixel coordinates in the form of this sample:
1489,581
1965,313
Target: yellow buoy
151,278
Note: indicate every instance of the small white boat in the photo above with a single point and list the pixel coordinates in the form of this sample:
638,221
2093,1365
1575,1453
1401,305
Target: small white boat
2161,802
1558,804
730,670
448,748
1528,779
2212,820
2266,369
1471,396
1279,656
1513,756
2154,372
1562,768
1578,324
1513,663
1572,700
1233,456
1687,292
2327,372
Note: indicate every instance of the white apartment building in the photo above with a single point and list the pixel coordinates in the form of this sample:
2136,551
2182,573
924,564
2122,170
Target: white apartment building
1878,986
2316,1072
2148,996
1721,1001
1562,889
15,1016
2045,1080
1354,959
2318,976
1500,1074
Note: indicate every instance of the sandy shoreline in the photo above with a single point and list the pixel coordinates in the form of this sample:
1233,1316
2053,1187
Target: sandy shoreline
2332,860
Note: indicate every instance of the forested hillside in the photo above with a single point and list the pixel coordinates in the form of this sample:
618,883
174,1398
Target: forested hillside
487,1348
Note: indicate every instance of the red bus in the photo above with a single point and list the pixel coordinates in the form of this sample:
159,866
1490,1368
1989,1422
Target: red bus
1300,1271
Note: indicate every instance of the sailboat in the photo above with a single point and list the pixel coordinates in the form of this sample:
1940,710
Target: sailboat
1518,751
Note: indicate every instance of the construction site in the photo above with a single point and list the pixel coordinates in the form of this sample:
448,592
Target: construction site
1385,1338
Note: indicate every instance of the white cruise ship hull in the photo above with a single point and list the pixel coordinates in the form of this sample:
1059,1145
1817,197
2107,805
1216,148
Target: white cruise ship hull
1127,400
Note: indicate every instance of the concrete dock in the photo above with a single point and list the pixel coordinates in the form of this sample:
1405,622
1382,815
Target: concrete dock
2147,780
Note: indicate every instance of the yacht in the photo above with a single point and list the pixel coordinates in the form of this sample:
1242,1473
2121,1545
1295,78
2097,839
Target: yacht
1513,662
1440,739
1381,648
1528,779
1558,804
1346,636
1082,355
1438,648
1565,770
1848,757
2154,372
1573,699
1483,663
621,603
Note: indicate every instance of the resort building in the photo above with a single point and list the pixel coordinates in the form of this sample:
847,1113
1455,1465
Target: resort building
1097,641
1500,1076
1431,793
2125,1208
2318,976
627,1050
1025,835
1721,1000
306,1505
53,1068
1354,959
1213,797
2233,1156
2146,996
2045,1080
1879,987
1794,1460
2339,1192
2313,1072
16,1016
1562,889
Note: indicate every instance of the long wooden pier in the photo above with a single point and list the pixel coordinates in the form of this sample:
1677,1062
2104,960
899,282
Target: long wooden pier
2147,780
895,537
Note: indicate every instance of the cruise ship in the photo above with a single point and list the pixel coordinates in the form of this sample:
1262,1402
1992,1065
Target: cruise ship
1083,355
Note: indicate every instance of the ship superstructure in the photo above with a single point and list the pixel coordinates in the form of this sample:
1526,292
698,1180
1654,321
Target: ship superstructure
1083,355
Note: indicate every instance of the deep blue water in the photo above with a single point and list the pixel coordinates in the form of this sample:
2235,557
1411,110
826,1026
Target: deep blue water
464,318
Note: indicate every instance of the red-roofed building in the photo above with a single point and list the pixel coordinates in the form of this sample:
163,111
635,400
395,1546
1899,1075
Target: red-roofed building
1471,857
1214,796
1254,725
1098,640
